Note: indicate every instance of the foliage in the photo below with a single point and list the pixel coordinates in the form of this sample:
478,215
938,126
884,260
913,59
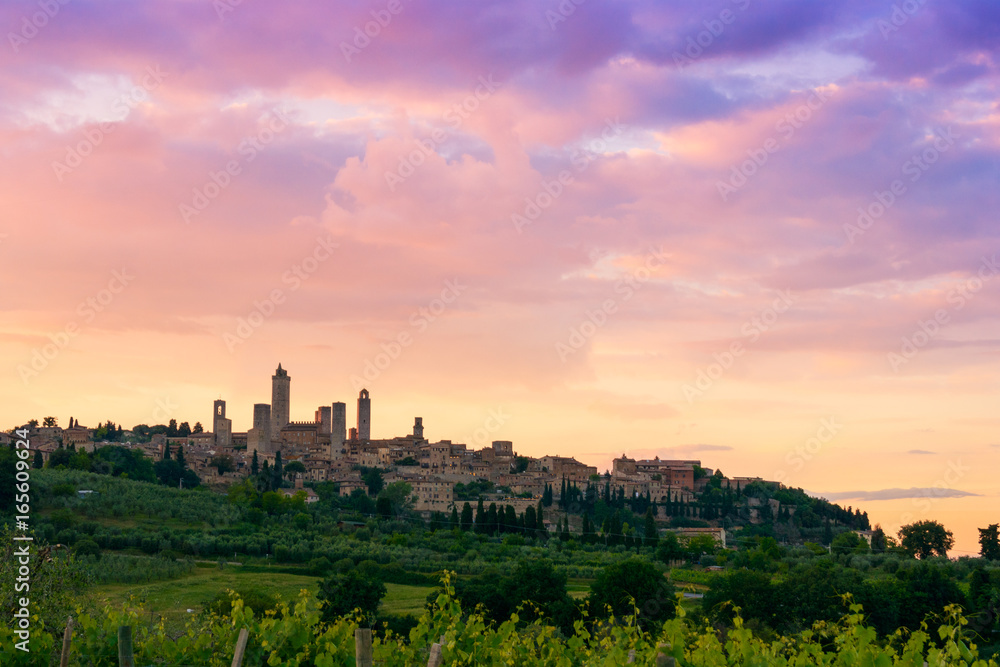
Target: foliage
343,593
924,539
989,542
633,586
295,634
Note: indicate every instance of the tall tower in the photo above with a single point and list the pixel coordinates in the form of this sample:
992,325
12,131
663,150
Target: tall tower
222,428
338,428
418,428
364,416
323,419
280,401
259,437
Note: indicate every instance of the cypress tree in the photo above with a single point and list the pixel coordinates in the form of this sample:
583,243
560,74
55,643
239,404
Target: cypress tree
466,517
649,529
453,522
254,465
480,518
511,519
529,521
491,520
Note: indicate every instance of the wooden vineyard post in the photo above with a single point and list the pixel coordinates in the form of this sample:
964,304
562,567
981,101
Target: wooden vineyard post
435,659
363,647
67,638
241,647
125,656
662,659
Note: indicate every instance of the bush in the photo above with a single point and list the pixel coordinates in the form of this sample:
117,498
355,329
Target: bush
254,599
87,547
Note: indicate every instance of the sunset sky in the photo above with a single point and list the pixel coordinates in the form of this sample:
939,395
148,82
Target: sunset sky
760,234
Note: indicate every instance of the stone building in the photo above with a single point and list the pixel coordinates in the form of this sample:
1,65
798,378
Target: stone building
222,428
280,400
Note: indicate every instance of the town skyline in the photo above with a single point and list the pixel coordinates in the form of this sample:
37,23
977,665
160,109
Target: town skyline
902,503
724,229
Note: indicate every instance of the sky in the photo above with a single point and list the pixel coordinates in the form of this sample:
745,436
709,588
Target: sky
763,235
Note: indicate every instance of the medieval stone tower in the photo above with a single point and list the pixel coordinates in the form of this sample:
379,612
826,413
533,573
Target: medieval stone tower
364,416
418,428
338,428
280,401
222,428
259,437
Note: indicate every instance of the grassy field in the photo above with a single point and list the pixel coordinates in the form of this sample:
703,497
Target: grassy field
400,599
172,599
578,588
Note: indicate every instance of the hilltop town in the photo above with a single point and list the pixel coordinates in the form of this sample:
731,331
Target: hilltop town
330,451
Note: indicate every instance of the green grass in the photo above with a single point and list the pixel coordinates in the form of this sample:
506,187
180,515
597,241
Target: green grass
400,599
578,588
171,599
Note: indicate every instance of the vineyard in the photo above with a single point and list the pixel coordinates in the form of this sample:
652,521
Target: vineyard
294,635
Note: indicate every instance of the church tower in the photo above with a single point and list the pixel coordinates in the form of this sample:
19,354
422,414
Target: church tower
364,416
338,428
280,401
222,428
259,437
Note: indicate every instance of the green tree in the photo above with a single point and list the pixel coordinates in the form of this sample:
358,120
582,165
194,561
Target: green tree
198,428
277,471
49,421
340,594
649,528
635,583
880,543
399,498
925,539
293,468
223,463
989,542
372,477
849,542
453,519
670,548
39,461
749,590
466,517
254,464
